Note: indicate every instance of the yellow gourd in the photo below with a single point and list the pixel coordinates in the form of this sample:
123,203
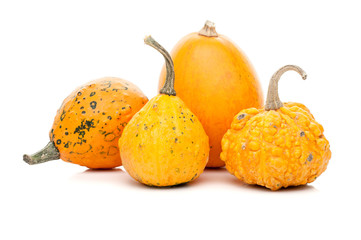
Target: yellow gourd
278,146
164,144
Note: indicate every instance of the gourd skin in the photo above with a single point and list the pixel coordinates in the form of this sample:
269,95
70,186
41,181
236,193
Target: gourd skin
91,119
164,144
276,148
215,80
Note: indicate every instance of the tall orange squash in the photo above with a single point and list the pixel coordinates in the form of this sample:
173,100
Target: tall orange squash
215,80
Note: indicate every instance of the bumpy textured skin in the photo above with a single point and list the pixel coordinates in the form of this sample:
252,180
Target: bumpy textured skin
91,119
164,144
215,80
276,149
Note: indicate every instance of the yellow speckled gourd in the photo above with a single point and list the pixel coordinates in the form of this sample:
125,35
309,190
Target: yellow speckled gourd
279,146
164,144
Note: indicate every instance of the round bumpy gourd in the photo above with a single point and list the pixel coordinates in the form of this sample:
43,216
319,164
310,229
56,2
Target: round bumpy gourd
215,80
89,123
279,146
164,144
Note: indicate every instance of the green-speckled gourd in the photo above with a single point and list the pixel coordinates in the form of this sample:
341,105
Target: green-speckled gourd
89,123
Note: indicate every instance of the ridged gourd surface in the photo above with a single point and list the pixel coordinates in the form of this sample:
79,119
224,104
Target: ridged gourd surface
277,148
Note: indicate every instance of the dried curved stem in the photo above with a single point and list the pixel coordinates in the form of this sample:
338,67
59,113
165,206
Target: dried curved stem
168,87
48,153
273,101
209,30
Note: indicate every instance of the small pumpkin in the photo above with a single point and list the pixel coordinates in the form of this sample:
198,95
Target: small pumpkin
278,146
164,144
215,80
88,124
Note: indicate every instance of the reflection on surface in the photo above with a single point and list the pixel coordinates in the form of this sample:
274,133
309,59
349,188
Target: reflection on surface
210,177
100,175
222,176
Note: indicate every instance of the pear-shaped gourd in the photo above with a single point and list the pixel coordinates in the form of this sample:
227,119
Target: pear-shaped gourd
164,144
88,125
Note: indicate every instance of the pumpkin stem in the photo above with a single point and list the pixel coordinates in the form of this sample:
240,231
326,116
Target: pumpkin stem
273,101
48,153
209,30
168,87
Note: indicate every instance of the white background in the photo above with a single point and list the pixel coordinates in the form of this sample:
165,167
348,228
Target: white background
47,49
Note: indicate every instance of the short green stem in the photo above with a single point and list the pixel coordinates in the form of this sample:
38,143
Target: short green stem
48,153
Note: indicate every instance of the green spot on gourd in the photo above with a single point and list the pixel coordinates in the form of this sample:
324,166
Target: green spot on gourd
93,104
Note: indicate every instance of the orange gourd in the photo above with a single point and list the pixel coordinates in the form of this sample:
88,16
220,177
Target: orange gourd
164,144
215,80
88,125
277,146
